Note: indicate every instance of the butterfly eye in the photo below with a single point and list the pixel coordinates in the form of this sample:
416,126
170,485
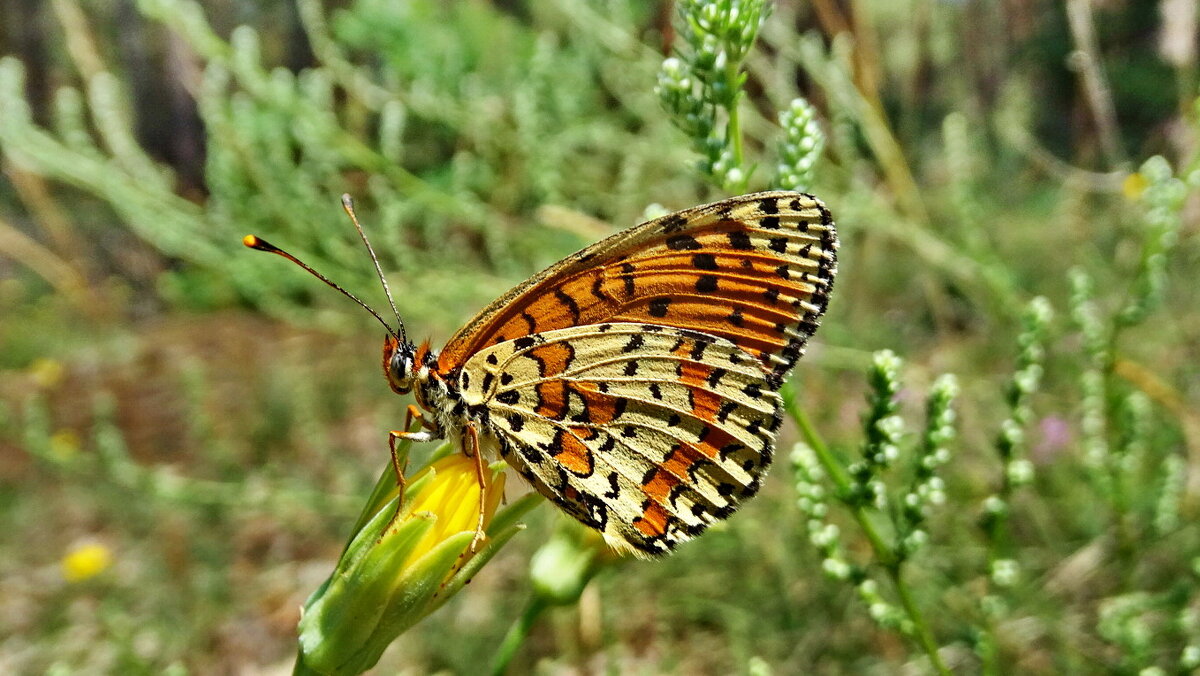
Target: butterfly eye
398,365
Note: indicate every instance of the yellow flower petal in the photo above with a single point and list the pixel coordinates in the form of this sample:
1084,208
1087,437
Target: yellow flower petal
1133,186
64,445
453,497
86,561
46,373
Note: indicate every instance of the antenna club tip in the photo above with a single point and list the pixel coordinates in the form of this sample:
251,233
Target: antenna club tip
347,201
259,244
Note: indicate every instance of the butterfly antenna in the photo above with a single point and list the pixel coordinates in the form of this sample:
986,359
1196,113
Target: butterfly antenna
263,245
348,205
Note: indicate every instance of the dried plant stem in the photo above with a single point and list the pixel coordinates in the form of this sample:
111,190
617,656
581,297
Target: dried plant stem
80,44
57,272
1099,96
48,214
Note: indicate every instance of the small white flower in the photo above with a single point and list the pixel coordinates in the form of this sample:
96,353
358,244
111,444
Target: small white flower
1020,472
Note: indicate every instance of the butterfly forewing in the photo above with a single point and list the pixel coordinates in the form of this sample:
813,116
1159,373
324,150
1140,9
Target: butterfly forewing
756,270
634,383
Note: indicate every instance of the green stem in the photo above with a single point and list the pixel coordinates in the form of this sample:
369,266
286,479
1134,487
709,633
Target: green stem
831,465
300,668
920,628
517,634
883,552
733,134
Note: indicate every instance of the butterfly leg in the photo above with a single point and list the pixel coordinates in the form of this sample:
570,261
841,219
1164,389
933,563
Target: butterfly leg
394,436
471,448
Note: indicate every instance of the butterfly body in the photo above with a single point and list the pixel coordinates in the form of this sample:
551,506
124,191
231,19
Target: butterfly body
634,383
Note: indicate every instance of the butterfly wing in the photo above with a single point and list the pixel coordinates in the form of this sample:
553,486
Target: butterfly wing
634,382
646,433
755,270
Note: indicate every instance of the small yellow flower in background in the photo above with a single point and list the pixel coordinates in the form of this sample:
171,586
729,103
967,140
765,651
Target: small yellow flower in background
85,561
399,568
46,373
1133,186
64,445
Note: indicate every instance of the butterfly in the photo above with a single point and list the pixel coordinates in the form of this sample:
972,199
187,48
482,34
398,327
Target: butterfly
635,383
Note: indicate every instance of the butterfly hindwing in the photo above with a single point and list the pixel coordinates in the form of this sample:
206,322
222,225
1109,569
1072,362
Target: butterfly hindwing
645,432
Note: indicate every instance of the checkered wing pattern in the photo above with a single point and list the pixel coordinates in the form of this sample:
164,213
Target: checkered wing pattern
634,383
644,432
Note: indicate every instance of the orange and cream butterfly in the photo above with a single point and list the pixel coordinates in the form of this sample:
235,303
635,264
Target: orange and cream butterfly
634,383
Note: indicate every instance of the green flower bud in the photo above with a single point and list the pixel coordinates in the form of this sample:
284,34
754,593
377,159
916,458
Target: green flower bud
398,568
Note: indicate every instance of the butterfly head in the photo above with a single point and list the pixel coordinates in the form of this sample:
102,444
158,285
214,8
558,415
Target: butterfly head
399,364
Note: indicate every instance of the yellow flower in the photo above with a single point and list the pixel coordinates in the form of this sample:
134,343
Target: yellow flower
1133,186
85,561
398,568
453,500
64,445
46,373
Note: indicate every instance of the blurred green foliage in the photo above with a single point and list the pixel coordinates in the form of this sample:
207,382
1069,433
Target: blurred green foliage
212,418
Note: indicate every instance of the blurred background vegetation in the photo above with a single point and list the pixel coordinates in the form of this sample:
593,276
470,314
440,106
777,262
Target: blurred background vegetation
187,428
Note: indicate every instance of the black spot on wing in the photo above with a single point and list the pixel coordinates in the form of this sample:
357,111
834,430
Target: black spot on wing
627,270
740,239
683,243
704,261
674,222
569,303
726,408
635,343
530,322
598,288
614,488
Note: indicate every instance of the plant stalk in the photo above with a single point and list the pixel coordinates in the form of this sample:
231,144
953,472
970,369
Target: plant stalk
920,627
517,634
